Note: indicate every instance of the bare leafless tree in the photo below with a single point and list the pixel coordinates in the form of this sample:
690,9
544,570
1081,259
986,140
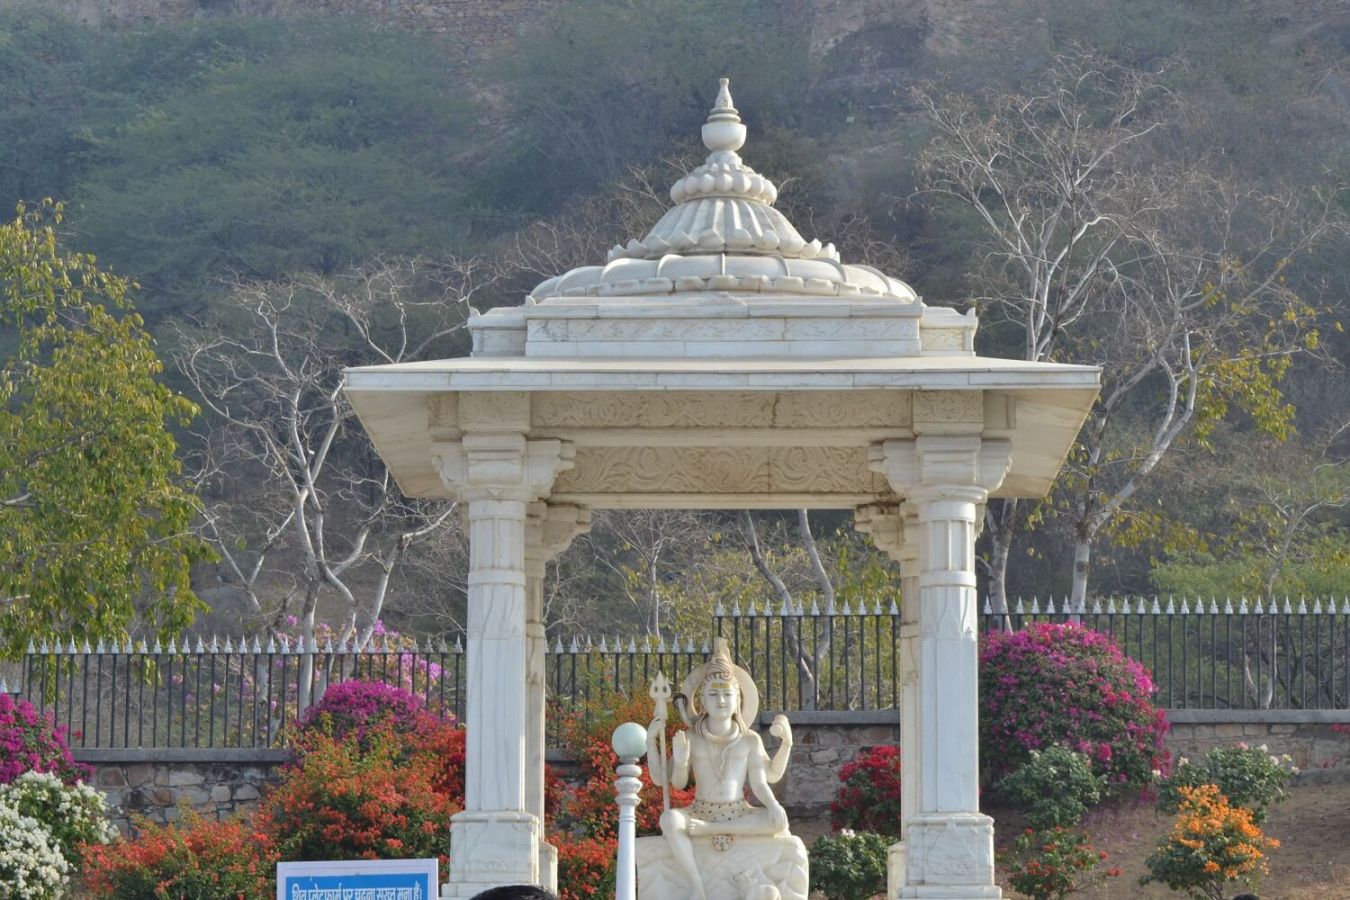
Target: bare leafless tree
1100,248
300,507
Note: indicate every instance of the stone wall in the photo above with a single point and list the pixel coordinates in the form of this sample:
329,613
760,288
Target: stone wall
225,782
156,784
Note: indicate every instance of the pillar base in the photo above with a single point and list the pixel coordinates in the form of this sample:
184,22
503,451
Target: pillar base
489,849
548,866
948,856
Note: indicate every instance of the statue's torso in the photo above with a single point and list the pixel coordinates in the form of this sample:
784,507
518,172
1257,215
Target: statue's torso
720,768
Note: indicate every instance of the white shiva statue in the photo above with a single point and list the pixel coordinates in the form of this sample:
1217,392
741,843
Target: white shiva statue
720,847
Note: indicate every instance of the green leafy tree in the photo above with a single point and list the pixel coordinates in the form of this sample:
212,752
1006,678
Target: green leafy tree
94,527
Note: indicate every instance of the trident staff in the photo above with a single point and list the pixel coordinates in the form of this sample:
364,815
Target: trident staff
658,765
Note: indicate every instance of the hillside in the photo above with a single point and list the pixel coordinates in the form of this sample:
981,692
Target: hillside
217,150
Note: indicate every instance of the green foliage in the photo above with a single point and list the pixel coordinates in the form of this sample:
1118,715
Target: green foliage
1250,777
94,526
266,148
1054,789
1054,863
849,865
46,101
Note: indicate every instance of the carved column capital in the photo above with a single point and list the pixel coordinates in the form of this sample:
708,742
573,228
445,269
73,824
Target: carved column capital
892,527
549,530
965,467
501,466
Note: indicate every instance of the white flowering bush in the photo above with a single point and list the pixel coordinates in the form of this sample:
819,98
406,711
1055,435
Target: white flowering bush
31,864
1250,777
71,814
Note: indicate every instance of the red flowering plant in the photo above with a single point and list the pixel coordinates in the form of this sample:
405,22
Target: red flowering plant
1065,684
868,798
1054,863
29,742
194,860
368,797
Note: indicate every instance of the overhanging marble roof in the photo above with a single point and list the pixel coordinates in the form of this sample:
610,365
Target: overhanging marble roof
775,363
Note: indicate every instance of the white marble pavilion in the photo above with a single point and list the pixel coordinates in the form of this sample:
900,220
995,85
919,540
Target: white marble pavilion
723,361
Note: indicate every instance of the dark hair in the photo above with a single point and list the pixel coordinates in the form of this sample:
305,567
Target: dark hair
516,892
1246,897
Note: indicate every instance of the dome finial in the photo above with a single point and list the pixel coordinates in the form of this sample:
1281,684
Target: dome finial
723,131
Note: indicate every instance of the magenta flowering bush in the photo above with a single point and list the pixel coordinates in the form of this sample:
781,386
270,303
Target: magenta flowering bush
29,742
1069,685
357,707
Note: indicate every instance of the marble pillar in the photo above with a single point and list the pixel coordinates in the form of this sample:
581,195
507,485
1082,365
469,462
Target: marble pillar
894,530
549,529
948,844
496,839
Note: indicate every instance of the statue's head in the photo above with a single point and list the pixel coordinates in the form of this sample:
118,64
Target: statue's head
721,690
720,695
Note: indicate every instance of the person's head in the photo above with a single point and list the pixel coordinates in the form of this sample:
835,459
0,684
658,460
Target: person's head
720,695
516,892
1246,897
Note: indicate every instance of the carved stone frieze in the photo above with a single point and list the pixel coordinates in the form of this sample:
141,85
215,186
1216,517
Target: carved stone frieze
723,409
948,408
443,417
676,409
843,409
944,339
824,470
494,411
721,470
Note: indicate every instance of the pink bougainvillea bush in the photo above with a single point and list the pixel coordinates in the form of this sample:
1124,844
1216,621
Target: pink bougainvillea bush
355,708
30,743
1065,684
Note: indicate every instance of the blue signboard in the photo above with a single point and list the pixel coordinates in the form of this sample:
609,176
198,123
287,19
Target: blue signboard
384,879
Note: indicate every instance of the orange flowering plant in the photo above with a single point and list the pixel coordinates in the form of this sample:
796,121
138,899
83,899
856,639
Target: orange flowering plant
1211,843
197,859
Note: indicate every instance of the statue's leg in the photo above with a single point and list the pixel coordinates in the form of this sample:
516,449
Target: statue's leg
675,829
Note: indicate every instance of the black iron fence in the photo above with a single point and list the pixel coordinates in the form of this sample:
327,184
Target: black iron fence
1203,654
230,693
1220,654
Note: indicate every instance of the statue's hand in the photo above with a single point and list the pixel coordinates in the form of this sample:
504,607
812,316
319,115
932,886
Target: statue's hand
658,726
679,749
781,729
778,817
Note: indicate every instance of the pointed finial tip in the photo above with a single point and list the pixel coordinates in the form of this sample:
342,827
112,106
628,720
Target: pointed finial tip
723,102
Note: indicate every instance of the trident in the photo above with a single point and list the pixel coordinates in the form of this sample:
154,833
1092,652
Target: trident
660,692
